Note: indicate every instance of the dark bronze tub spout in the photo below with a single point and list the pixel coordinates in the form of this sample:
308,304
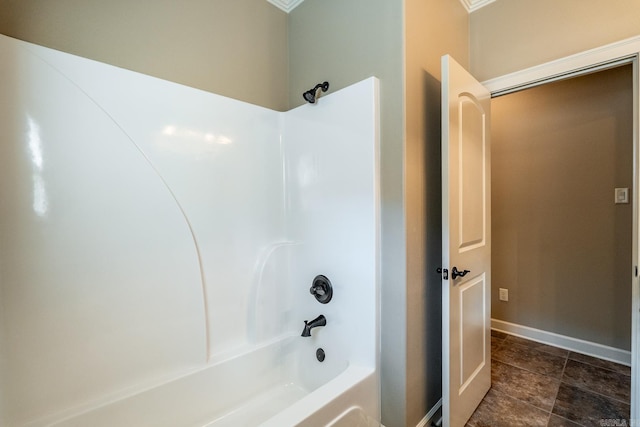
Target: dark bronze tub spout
318,321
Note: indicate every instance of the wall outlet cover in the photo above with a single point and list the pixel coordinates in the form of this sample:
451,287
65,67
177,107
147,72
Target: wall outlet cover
504,294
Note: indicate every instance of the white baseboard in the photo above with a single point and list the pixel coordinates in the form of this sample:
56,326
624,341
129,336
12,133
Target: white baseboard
574,344
425,421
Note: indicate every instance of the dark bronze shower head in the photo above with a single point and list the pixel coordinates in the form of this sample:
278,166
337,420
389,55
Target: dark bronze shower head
310,95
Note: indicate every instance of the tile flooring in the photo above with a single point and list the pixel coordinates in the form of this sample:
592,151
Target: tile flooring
534,384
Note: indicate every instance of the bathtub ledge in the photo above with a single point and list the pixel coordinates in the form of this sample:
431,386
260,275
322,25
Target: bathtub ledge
321,406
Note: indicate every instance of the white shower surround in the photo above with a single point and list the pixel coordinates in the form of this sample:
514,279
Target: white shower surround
152,233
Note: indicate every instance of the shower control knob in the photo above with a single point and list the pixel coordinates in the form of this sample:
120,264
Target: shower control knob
321,289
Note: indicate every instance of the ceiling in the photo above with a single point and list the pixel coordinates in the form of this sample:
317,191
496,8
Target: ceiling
289,5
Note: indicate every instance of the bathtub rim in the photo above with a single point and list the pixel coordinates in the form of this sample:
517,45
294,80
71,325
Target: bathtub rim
120,396
300,412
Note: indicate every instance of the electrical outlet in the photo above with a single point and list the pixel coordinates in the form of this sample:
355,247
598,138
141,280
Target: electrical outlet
504,294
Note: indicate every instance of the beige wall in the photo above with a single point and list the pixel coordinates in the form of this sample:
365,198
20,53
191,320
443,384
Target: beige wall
345,41
432,29
510,35
560,244
233,48
3,364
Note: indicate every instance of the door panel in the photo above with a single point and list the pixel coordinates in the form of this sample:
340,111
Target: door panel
474,330
472,188
466,241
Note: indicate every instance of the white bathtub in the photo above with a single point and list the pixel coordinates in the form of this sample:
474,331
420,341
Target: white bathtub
276,385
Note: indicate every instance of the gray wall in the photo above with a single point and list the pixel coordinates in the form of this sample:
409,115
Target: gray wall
345,41
560,244
432,28
400,42
510,35
234,48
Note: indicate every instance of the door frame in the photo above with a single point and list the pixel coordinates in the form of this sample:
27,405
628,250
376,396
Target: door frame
622,52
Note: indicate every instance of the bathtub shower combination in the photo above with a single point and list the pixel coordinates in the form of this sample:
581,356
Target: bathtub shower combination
162,248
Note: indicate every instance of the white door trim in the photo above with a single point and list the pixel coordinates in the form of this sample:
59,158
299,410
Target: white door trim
559,68
592,60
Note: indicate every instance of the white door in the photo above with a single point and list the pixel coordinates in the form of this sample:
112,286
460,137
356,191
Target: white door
466,243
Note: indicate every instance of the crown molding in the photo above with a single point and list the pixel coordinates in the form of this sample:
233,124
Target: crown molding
473,5
286,5
289,5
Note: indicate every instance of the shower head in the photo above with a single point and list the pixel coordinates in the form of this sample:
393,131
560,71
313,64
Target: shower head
310,95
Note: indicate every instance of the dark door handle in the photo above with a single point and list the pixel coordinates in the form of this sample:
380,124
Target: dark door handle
455,273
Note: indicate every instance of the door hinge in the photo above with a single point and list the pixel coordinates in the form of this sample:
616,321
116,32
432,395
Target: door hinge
443,272
636,271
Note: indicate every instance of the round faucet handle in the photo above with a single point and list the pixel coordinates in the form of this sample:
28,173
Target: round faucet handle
321,289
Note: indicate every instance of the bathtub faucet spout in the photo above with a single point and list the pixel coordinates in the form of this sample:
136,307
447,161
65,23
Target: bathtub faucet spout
318,321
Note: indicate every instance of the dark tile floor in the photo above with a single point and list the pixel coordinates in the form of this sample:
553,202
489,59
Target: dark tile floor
534,384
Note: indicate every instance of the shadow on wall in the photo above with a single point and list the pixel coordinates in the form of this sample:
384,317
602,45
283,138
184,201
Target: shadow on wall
433,240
